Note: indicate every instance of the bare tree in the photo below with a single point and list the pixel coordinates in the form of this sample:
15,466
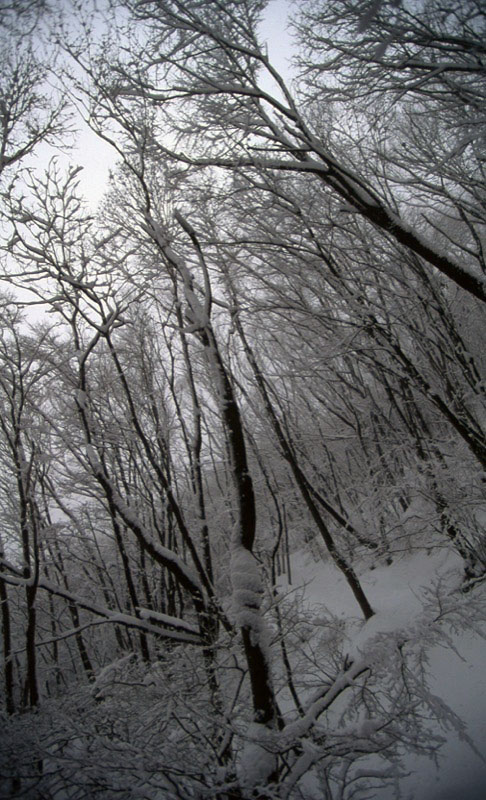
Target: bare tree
212,96
28,115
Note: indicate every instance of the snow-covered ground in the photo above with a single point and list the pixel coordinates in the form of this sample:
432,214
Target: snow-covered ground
457,673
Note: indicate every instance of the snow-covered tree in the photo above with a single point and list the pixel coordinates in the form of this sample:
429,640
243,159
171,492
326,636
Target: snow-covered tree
263,345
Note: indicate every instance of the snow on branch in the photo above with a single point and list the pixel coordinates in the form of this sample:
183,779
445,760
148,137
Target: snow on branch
181,630
187,577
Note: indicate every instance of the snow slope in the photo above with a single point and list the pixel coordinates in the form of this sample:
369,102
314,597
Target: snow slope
457,674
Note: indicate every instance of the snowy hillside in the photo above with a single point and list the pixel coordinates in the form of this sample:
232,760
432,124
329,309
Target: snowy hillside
456,669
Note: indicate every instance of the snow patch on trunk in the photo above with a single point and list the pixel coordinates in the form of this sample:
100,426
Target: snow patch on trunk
257,761
247,590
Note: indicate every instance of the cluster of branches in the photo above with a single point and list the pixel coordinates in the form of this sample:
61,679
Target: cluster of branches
266,339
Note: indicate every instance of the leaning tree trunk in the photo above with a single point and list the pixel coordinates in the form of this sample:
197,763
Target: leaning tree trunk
245,574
